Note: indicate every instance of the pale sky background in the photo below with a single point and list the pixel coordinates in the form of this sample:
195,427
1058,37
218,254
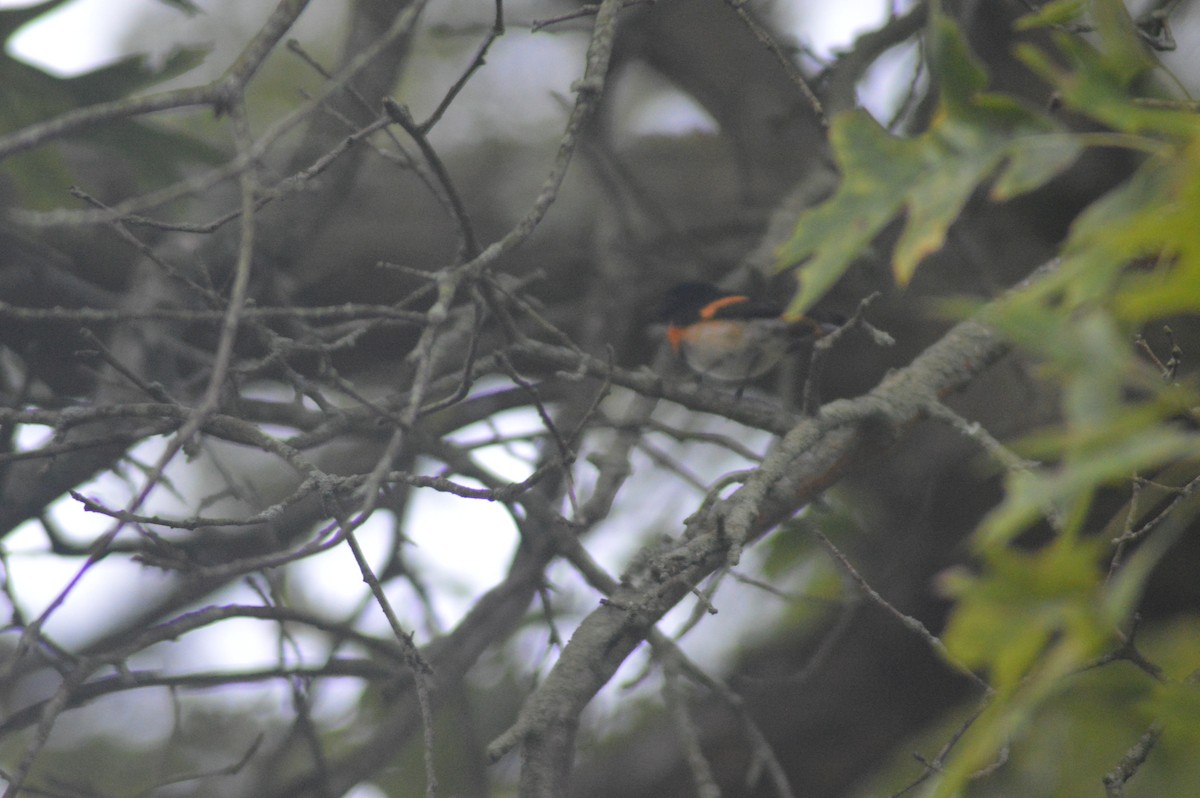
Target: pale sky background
84,34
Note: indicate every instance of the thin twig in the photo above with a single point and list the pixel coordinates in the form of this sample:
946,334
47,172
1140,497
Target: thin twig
824,346
789,69
907,621
1131,762
496,31
400,115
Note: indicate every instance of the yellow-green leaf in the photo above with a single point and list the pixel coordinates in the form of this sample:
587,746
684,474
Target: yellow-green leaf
1054,13
928,178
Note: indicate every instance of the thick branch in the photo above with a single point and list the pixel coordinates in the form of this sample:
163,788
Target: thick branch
813,455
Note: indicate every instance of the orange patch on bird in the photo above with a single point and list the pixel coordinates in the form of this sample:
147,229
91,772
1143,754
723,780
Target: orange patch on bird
675,336
712,308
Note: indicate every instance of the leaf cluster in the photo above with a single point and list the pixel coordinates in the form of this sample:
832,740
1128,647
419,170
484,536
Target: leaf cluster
1035,615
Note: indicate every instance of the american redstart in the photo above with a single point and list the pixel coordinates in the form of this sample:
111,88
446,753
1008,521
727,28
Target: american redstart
730,337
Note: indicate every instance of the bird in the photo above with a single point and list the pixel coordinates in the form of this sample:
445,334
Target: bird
729,337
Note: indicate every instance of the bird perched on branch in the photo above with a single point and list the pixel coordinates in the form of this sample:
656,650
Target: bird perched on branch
731,337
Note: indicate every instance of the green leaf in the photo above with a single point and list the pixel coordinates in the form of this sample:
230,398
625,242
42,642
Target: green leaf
1091,86
1125,54
1029,620
1030,166
1150,218
1006,617
875,168
1164,229
1051,14
1107,436
1098,457
962,76
973,137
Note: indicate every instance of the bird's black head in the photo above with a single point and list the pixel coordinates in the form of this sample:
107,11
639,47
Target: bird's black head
682,303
